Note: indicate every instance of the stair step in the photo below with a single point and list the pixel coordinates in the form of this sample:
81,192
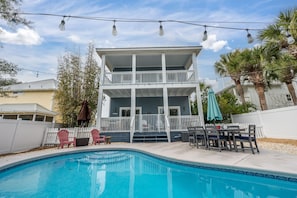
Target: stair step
150,137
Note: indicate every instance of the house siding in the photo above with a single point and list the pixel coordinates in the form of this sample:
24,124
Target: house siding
149,104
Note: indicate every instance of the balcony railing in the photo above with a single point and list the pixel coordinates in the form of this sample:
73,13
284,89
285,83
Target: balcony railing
149,123
144,77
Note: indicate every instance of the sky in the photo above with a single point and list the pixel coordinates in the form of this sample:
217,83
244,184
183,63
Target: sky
36,50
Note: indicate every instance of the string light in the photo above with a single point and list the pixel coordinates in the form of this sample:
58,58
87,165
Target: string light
204,38
249,37
114,29
290,39
161,30
62,24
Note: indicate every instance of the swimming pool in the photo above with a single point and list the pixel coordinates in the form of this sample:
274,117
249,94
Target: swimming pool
124,173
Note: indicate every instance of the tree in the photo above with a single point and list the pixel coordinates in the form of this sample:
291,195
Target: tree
229,105
285,25
7,69
253,63
285,69
9,10
76,84
229,65
91,80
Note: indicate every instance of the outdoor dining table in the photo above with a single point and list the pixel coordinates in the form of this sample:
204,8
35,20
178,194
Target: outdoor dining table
231,133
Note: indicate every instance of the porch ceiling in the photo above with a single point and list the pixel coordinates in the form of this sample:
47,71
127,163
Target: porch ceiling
120,93
149,57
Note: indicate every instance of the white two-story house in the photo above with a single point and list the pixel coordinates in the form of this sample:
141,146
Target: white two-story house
149,90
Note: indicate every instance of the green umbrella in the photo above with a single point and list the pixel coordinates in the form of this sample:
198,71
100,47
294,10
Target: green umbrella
213,109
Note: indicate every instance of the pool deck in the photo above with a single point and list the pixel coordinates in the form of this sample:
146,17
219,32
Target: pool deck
267,161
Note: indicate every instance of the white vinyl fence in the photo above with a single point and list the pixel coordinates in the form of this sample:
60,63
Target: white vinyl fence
21,135
275,123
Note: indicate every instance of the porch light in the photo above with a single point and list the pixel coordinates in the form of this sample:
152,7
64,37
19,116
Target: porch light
62,24
114,29
161,30
290,38
204,38
249,37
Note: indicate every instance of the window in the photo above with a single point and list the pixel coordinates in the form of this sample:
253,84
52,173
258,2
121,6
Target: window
49,119
173,110
125,111
288,97
39,118
26,117
11,117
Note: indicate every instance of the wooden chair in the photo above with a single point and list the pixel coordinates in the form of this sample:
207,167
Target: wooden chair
63,136
215,140
197,136
249,138
96,136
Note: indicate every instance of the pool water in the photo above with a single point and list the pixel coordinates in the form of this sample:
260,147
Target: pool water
116,174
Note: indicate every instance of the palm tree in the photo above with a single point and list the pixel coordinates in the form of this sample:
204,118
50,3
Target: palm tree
277,33
285,69
253,63
285,24
229,65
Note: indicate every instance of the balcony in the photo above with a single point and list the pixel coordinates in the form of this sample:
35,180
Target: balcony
149,77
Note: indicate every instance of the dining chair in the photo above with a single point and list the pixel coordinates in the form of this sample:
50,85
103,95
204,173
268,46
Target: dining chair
232,135
197,136
248,139
215,140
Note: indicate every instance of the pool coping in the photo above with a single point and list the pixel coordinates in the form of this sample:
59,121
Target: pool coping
236,166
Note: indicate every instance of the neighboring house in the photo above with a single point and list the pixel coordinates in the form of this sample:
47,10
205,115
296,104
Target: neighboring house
149,90
277,95
28,100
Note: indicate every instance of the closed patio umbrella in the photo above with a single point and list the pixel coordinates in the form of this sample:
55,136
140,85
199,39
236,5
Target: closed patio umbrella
84,114
213,109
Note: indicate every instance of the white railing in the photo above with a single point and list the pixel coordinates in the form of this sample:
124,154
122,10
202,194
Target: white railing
149,123
144,77
114,124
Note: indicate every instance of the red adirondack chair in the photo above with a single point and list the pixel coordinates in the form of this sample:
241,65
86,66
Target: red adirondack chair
96,136
63,136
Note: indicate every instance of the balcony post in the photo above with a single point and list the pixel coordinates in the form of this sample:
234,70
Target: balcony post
133,68
132,114
100,94
198,91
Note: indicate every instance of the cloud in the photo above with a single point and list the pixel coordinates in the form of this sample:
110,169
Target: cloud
74,38
23,36
213,44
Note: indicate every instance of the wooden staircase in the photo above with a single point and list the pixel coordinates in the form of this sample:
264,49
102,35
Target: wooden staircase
150,137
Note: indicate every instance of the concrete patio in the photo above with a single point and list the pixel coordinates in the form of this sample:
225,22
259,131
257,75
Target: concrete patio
267,161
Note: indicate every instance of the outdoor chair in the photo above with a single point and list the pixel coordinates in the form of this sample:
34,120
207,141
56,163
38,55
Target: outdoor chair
63,136
215,140
97,138
248,140
197,136
233,136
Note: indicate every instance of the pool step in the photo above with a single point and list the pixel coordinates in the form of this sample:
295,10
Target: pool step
150,137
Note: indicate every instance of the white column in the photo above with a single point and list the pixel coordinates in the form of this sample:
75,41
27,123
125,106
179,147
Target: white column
100,94
132,113
165,98
166,113
133,68
163,68
198,91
